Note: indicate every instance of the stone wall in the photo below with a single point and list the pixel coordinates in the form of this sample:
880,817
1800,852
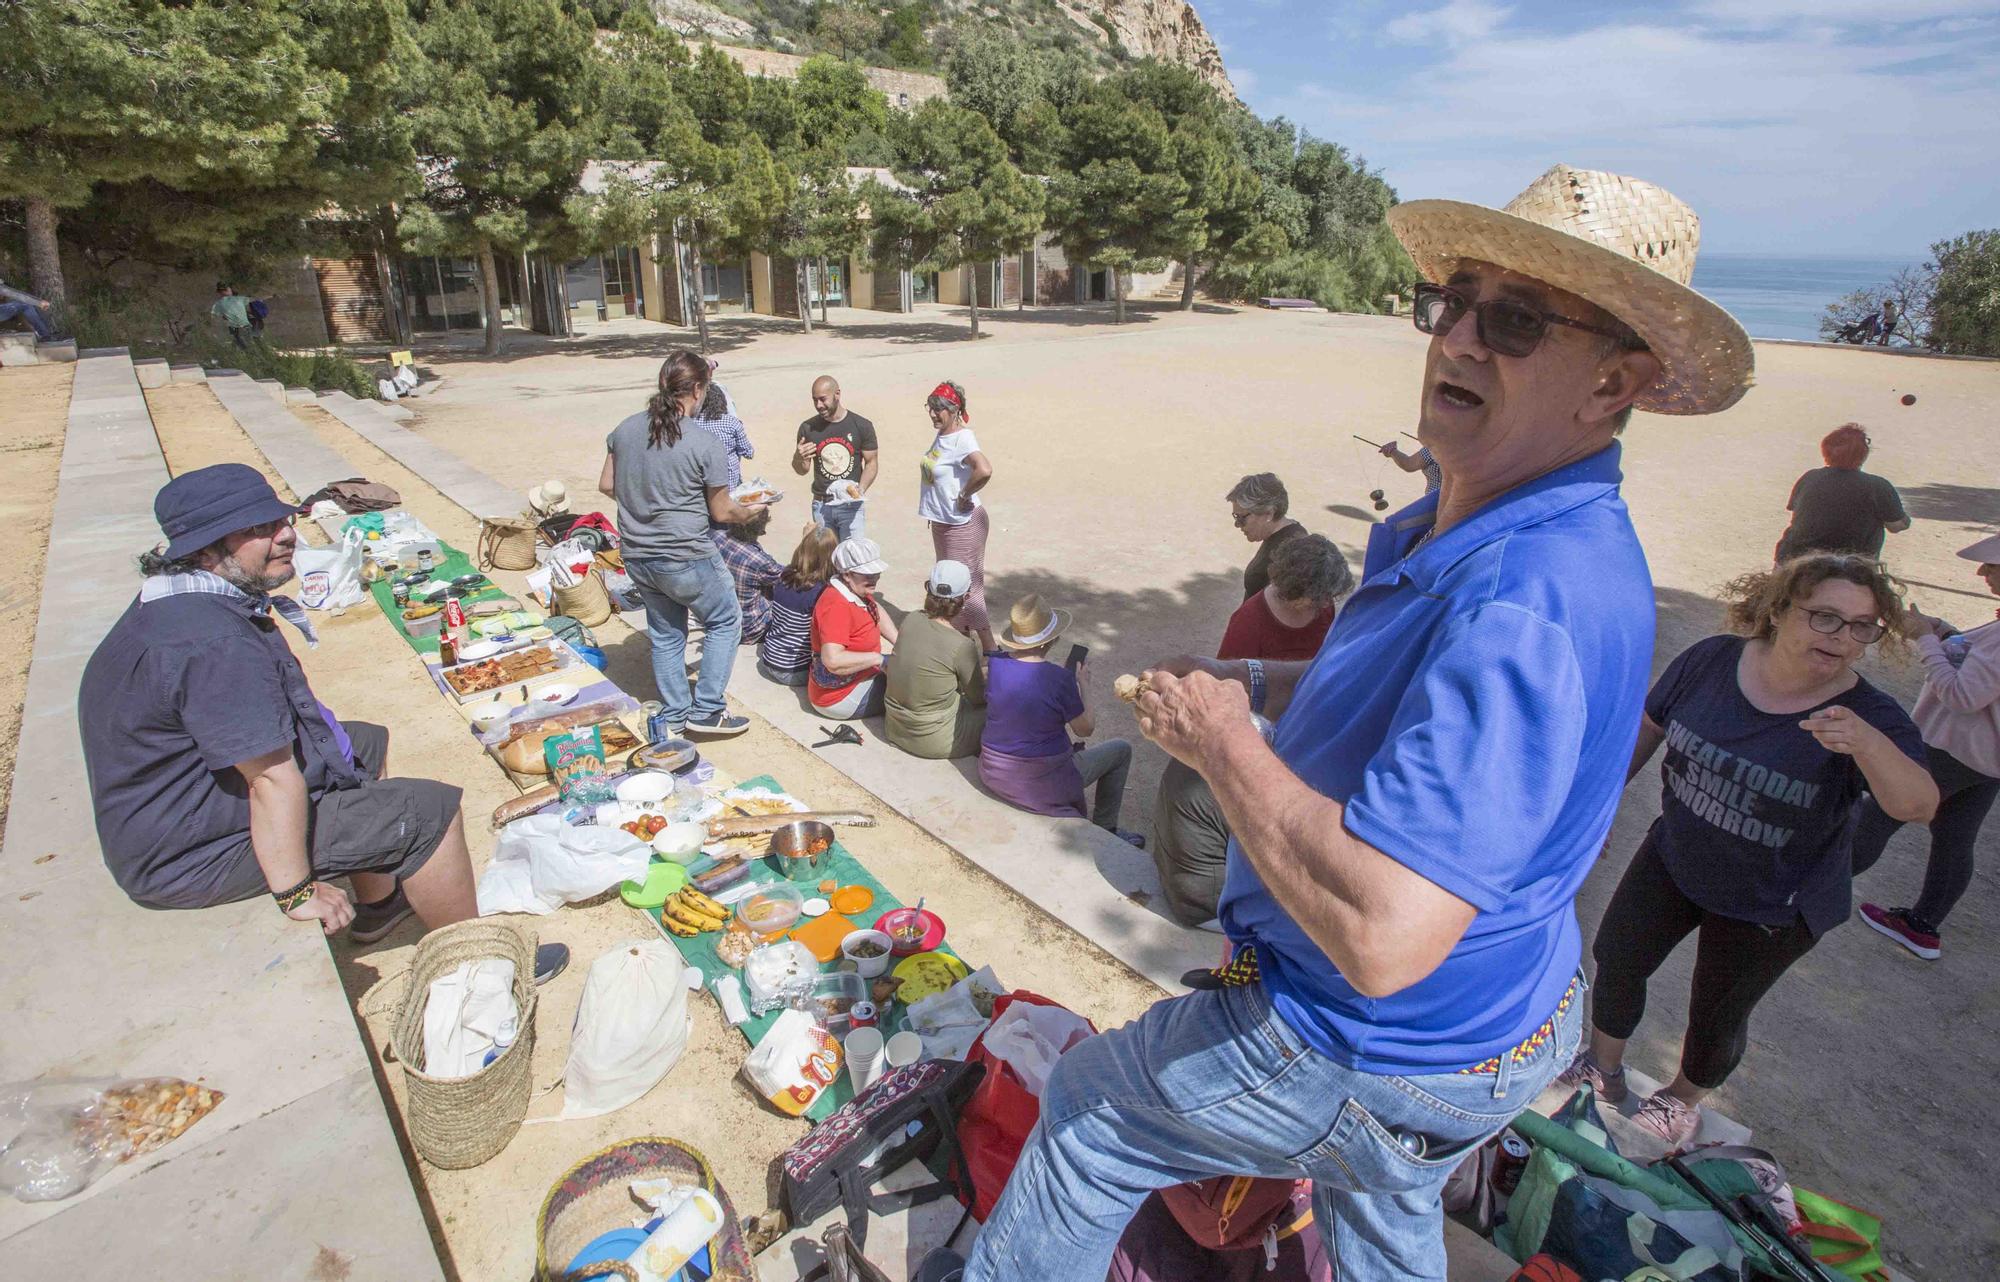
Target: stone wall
903,88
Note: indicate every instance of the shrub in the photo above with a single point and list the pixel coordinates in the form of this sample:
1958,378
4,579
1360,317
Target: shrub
1965,302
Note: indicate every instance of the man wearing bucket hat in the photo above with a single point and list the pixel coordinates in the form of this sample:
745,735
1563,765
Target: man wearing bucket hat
1406,850
216,774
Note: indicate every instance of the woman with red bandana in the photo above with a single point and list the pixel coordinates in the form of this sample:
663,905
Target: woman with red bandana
954,471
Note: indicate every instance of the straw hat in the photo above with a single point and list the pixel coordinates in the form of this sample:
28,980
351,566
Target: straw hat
1621,243
1031,624
549,498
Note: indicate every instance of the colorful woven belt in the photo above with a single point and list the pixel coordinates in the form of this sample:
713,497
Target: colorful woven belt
1242,971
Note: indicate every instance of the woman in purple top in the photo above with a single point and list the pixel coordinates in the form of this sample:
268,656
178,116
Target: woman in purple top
1032,709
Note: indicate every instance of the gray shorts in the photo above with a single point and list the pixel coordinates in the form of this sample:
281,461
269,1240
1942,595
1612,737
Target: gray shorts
388,826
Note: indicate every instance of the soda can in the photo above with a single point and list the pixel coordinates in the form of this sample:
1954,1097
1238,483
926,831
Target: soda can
861,1015
454,612
659,729
1510,1162
400,591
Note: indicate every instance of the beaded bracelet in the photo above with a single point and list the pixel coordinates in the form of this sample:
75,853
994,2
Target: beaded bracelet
290,899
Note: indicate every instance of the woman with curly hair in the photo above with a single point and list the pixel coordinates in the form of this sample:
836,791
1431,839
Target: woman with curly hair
1771,739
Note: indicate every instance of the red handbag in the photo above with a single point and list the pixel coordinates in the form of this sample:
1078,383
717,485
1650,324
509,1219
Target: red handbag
994,1127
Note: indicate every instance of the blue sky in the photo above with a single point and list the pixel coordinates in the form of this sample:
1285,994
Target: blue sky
1868,127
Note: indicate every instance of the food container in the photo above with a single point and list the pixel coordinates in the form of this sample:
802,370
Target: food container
911,931
771,910
423,620
801,849
645,793
833,1000
855,945
488,717
680,842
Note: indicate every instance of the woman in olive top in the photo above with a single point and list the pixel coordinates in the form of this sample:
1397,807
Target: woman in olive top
936,704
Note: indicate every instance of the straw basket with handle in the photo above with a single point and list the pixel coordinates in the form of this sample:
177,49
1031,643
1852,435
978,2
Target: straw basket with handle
506,543
595,1196
459,1122
587,602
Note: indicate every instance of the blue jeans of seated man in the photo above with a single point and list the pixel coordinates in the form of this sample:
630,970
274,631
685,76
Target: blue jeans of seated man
671,591
1215,1083
37,319
846,520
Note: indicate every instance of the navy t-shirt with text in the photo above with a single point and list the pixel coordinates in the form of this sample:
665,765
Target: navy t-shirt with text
1757,819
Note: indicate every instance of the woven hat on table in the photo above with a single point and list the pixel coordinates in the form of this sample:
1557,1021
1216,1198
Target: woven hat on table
1620,243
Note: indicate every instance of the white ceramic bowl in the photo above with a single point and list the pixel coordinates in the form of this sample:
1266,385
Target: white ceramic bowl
645,793
680,842
554,696
868,967
478,650
487,717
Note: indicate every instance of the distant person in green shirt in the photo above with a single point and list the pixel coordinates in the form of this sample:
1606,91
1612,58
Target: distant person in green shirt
936,701
234,310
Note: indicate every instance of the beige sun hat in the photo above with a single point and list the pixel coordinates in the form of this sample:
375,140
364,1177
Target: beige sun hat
1031,624
549,498
1619,242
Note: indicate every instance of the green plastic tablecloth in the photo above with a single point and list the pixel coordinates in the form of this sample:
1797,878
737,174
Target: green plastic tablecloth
453,564
699,950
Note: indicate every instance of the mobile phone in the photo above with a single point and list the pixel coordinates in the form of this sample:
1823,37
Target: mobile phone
1077,654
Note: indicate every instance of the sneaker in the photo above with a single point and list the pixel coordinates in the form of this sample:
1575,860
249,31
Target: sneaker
716,726
372,921
1609,1087
942,1265
550,960
1895,923
1669,1117
1133,838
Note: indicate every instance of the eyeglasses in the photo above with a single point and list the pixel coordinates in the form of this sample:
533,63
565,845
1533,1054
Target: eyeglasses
1827,623
269,528
1506,326
1240,519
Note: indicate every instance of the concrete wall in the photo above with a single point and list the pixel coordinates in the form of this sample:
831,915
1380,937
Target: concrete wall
951,287
784,293
903,89
891,291
1055,279
298,316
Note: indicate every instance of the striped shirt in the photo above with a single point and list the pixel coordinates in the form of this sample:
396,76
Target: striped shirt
787,643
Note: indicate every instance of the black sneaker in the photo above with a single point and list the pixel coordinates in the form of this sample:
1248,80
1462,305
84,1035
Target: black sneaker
550,961
718,726
372,921
942,1265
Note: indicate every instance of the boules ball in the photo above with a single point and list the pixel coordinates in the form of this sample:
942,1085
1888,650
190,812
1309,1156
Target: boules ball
1377,495
1909,398
1381,505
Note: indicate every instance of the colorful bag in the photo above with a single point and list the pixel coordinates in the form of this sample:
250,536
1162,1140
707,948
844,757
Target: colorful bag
1156,1247
1844,1238
1231,1212
904,1117
994,1127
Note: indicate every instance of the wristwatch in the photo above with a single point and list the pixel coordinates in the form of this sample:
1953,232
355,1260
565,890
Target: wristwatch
1258,690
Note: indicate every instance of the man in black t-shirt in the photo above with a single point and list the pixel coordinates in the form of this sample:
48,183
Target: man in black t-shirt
1839,507
838,447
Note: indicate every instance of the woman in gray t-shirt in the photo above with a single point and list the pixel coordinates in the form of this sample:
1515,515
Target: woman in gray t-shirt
669,483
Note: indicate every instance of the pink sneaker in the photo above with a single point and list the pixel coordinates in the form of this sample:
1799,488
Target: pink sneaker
1895,923
1610,1087
1669,1117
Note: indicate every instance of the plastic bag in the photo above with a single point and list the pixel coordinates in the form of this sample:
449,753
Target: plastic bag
330,578
576,763
541,863
631,1027
1029,1039
951,1021
777,974
58,1136
796,1060
470,1016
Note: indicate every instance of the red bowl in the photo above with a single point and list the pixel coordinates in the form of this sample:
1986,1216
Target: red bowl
933,930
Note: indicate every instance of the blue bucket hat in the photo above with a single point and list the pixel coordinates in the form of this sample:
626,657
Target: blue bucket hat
200,507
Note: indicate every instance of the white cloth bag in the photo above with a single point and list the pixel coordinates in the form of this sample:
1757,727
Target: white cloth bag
330,578
466,1014
631,1027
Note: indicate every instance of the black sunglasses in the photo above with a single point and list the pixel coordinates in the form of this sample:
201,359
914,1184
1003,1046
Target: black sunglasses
1506,326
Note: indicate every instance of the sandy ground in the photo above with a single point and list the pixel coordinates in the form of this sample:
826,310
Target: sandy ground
1113,449
31,435
483,1219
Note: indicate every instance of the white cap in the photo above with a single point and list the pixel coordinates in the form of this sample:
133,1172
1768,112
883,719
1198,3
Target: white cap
1986,551
950,580
859,556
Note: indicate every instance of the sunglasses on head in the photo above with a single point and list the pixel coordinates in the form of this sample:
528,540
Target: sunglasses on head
1507,326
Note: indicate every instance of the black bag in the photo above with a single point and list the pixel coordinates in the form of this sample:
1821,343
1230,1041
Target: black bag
903,1117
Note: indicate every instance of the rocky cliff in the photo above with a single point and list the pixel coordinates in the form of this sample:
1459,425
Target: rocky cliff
1169,30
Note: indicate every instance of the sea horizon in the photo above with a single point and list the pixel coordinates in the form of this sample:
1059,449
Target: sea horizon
1784,295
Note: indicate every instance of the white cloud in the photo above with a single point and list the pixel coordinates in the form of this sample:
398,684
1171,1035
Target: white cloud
1245,80
1453,23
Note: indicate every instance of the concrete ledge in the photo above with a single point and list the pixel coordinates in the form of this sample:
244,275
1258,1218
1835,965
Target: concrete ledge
187,374
294,451
152,372
273,388
300,396
60,351
389,409
456,479
18,351
105,351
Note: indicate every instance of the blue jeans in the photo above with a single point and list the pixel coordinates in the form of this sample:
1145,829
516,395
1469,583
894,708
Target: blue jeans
846,520
39,322
1215,1083
671,590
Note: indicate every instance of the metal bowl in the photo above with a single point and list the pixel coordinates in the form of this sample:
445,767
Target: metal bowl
792,848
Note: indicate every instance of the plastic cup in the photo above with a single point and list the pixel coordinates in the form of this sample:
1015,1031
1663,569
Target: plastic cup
903,1050
864,1050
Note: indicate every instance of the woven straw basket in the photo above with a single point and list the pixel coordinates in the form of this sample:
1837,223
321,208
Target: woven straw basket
588,603
459,1122
506,543
595,1196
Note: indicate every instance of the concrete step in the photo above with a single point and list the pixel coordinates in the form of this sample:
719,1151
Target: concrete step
273,388
300,396
186,374
59,351
18,350
152,372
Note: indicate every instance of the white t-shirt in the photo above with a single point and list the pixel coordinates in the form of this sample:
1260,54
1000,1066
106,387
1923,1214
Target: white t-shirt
945,470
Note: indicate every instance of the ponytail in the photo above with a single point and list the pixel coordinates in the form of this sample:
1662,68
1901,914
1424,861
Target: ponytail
682,373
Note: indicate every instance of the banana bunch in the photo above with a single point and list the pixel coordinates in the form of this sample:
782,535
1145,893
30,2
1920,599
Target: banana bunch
689,912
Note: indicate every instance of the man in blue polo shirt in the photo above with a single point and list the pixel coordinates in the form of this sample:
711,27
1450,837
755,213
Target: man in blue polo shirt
1443,774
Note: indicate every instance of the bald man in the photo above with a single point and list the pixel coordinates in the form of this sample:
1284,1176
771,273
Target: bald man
836,445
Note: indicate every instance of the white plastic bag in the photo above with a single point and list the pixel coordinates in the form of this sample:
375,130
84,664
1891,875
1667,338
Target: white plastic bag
796,1060
631,1027
951,1021
468,1014
330,578
56,1136
1030,1038
541,863
507,885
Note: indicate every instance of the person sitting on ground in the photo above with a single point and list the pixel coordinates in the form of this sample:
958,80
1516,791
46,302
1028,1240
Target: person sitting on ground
838,447
216,774
1771,737
754,571
233,310
1958,712
716,417
851,635
29,310
785,653
1032,708
935,705
1419,460
1285,623
1839,507
1257,505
